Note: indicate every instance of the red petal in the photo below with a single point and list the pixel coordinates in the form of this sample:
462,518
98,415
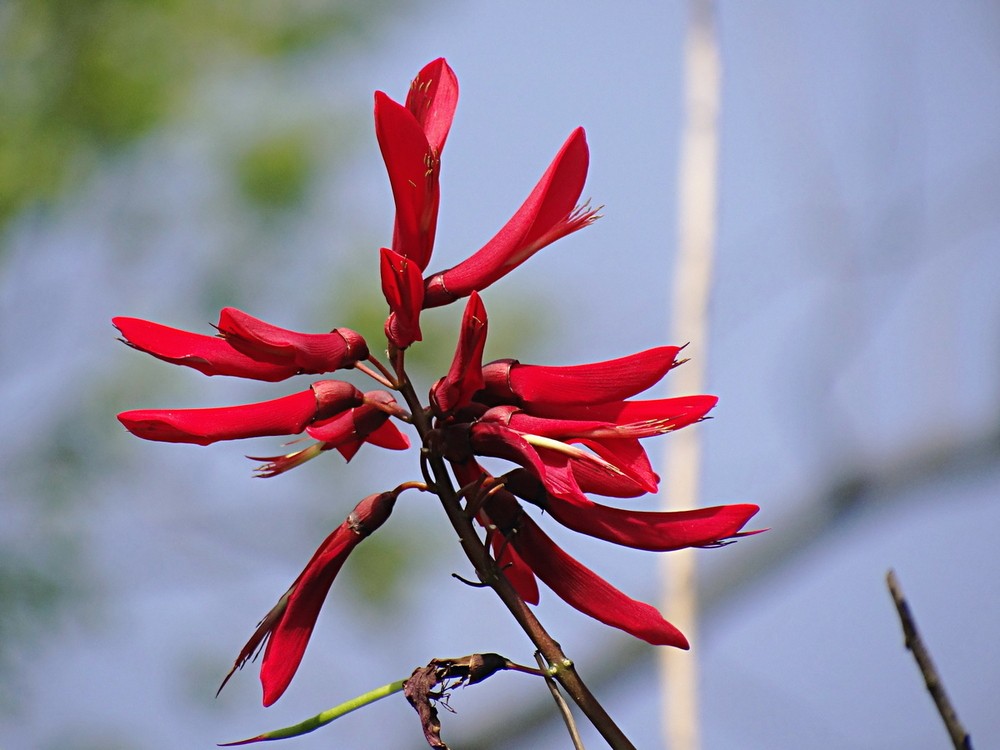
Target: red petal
465,377
543,388
208,354
630,457
389,436
282,416
515,569
587,592
403,287
290,635
413,175
432,100
674,412
311,353
491,439
546,215
651,530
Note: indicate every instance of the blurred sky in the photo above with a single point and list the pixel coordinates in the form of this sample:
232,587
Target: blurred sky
854,347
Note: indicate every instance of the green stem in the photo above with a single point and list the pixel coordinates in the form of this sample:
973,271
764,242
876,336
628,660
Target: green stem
324,718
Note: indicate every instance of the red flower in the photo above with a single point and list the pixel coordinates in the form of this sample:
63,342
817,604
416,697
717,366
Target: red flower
288,415
289,624
550,212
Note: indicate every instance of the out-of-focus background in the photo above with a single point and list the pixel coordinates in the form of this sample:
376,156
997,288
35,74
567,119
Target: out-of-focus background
164,159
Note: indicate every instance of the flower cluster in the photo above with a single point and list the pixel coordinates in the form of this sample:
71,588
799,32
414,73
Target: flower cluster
566,431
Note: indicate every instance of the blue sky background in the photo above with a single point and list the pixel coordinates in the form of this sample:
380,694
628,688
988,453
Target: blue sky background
854,348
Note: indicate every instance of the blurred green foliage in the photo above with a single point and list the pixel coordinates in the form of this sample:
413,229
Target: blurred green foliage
79,80
275,171
81,83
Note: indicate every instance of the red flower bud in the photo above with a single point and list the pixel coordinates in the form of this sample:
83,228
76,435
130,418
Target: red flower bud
403,287
465,377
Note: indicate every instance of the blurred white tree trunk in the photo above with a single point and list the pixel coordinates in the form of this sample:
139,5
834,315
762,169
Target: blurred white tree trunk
689,323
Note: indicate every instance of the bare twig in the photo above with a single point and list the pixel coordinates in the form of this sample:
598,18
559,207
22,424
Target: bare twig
561,703
959,737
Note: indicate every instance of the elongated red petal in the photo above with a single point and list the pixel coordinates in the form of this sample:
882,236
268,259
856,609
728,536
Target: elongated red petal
491,439
543,388
432,100
673,413
291,633
210,355
282,416
651,530
311,353
515,569
290,636
413,169
465,377
546,215
587,592
403,287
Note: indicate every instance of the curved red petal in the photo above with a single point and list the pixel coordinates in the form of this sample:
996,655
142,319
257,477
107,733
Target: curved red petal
543,389
674,413
210,355
291,632
311,353
656,531
288,415
465,376
388,435
413,175
290,635
587,592
432,100
546,215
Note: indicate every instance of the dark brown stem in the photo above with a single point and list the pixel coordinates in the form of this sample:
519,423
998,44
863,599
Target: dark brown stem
959,737
561,667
